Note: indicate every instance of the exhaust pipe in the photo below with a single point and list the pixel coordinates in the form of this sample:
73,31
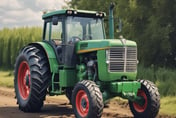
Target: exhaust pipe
111,21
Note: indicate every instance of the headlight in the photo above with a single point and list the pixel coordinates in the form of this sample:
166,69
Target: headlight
107,57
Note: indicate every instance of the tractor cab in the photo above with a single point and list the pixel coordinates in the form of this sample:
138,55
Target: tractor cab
64,28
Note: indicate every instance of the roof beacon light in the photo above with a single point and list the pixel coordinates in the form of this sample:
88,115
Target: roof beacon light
101,14
69,12
75,12
97,14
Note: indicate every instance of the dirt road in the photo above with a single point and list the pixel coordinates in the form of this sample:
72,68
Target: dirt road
55,107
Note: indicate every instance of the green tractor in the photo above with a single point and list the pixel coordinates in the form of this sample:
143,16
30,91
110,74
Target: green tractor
75,58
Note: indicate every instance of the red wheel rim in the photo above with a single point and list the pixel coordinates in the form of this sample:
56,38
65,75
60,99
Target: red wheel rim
141,108
24,80
82,103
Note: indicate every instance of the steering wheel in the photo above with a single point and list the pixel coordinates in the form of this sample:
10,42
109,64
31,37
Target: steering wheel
74,39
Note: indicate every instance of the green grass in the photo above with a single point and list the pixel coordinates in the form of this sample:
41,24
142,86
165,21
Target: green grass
12,40
168,105
6,79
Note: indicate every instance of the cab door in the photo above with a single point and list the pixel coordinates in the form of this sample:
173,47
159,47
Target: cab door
54,35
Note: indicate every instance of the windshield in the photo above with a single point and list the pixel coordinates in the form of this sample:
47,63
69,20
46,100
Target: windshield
84,28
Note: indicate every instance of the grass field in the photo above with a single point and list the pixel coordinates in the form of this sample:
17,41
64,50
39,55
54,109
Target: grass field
168,104
6,79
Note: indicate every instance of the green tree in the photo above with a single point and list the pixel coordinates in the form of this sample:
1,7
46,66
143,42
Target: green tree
151,23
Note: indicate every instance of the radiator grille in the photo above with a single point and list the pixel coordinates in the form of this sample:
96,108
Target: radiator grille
122,59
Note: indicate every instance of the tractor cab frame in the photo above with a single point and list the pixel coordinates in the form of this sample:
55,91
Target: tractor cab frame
64,30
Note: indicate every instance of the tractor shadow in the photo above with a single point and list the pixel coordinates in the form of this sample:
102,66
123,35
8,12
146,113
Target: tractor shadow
57,110
48,111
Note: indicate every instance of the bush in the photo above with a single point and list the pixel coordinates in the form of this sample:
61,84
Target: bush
164,78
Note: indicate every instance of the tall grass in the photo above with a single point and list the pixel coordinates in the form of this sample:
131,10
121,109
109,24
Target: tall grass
12,40
164,78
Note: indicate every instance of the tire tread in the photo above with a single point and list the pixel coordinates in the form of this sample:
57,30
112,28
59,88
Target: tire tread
40,78
153,109
95,95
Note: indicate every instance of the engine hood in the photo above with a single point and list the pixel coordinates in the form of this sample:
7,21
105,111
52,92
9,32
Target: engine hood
93,45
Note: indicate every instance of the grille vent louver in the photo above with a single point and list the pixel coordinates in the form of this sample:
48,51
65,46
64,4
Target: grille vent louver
122,59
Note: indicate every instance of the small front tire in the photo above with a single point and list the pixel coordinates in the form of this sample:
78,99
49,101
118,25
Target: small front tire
87,100
151,105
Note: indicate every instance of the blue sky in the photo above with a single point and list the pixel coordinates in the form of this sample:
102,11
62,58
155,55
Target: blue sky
17,13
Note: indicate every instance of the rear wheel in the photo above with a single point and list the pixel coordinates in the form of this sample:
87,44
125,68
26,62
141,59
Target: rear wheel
87,100
32,77
151,104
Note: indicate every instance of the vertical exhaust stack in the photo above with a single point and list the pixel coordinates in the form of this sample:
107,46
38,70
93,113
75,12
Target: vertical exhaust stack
111,21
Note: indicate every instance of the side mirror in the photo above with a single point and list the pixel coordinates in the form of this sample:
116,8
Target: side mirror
55,20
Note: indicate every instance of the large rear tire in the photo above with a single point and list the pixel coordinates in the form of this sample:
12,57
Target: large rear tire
151,105
87,100
32,77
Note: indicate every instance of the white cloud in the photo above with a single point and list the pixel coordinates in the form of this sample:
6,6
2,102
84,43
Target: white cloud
52,4
10,4
15,13
8,20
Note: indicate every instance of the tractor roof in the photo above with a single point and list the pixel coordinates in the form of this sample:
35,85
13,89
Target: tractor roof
72,12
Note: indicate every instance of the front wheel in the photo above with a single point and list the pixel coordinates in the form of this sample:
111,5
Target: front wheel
87,100
151,104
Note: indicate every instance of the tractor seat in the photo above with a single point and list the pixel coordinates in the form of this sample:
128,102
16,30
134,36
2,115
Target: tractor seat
59,49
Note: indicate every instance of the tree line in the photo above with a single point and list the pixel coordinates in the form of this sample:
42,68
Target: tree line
151,23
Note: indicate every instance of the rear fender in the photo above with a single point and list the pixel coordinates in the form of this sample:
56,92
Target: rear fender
49,51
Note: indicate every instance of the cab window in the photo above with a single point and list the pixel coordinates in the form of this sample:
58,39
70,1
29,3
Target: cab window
57,33
53,32
47,31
